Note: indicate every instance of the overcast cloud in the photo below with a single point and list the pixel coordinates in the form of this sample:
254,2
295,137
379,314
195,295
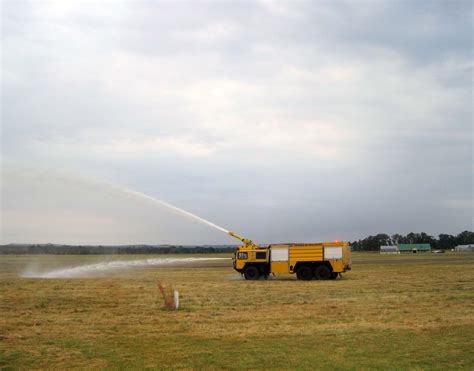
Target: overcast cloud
281,121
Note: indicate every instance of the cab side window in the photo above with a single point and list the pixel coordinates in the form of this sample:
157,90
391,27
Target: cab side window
242,255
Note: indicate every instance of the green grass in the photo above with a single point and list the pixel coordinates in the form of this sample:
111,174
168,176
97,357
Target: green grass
396,312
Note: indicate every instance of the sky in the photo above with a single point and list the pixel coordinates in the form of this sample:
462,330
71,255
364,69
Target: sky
281,121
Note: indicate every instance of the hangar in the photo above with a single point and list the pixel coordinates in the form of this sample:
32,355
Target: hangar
464,248
389,250
414,247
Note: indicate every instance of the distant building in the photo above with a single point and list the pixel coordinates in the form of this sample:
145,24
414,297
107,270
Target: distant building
389,250
464,248
414,247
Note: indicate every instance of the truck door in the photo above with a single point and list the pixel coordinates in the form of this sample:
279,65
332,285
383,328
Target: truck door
279,260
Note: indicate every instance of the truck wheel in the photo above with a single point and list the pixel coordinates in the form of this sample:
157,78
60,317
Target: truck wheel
334,275
322,272
304,273
251,273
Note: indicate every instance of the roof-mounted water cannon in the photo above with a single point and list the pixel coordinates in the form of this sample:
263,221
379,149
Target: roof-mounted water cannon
246,242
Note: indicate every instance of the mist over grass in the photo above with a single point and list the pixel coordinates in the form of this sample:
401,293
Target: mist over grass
104,267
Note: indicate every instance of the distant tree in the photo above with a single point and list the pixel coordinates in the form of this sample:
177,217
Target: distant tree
425,238
465,238
356,246
413,238
418,238
446,241
371,243
397,238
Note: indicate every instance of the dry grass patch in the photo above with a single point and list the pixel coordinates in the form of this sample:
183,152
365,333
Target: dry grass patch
372,318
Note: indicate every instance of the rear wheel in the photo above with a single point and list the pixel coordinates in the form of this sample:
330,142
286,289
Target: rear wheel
304,273
322,272
251,273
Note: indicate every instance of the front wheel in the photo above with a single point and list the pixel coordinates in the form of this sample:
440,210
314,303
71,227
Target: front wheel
304,273
251,273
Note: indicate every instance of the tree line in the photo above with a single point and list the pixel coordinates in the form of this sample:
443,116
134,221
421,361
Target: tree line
443,242
101,250
370,243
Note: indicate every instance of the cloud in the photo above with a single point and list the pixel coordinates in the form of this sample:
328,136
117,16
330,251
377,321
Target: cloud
238,110
217,32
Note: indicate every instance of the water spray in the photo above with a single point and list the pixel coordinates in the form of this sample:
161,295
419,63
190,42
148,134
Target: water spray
93,269
171,207
186,213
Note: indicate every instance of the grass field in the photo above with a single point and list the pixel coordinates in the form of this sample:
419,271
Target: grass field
390,312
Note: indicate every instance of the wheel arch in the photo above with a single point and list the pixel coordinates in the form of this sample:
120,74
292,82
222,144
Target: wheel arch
262,267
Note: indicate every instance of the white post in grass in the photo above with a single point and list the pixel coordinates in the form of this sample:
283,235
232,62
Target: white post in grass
176,299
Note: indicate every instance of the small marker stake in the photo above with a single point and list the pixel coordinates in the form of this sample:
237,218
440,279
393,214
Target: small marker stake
176,299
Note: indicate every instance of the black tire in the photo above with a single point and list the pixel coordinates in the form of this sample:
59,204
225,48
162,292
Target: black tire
334,275
304,273
322,272
251,273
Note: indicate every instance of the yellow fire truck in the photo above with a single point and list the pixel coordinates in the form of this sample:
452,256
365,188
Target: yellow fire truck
321,261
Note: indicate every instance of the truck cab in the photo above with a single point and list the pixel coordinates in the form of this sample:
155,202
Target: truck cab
252,261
